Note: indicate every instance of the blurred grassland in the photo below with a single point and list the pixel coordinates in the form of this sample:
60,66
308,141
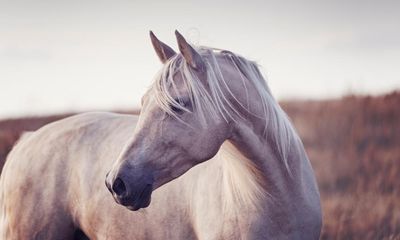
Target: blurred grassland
354,146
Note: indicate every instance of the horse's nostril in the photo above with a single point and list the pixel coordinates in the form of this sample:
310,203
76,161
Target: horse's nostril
119,187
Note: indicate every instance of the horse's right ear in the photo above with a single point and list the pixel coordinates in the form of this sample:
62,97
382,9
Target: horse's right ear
192,57
164,52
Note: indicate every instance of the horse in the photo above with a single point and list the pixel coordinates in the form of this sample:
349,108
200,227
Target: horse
210,156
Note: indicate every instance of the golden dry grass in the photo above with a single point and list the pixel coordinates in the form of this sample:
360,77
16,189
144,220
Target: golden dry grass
354,146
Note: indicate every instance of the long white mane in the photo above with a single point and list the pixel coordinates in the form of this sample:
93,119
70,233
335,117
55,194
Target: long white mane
215,101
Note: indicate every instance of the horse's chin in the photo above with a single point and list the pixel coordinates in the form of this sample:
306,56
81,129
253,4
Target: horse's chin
142,202
138,205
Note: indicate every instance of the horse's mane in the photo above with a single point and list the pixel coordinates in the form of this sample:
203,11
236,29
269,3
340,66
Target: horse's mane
215,100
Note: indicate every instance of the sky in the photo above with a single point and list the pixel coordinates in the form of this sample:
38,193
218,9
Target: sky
58,56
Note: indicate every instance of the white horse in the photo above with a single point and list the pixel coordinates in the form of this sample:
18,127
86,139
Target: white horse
211,156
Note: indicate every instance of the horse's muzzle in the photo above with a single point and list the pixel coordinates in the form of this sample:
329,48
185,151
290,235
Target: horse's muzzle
143,199
132,196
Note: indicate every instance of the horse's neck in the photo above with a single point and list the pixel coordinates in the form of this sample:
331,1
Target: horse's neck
290,198
260,152
233,188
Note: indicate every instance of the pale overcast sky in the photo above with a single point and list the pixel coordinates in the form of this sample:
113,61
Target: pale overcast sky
58,56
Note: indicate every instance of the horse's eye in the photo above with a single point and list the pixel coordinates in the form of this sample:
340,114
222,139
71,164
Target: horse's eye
177,109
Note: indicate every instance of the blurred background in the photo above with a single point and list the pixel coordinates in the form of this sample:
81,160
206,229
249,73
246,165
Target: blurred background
333,65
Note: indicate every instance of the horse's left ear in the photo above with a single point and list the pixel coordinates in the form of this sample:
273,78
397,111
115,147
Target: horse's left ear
191,56
164,52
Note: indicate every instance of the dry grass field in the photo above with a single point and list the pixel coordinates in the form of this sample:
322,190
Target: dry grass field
354,146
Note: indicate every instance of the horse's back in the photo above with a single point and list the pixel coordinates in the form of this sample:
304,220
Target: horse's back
44,172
